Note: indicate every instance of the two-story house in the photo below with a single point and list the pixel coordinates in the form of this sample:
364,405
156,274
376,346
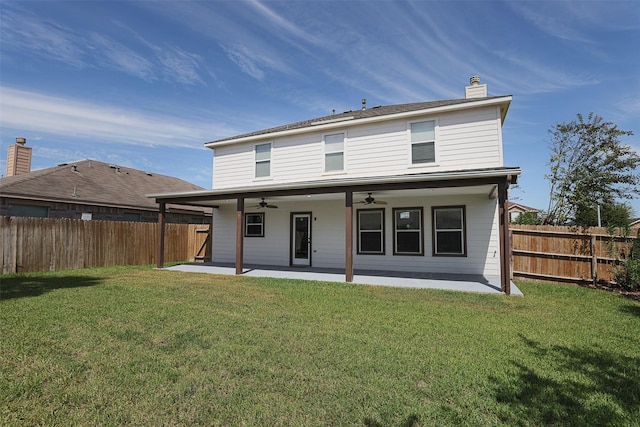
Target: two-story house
417,187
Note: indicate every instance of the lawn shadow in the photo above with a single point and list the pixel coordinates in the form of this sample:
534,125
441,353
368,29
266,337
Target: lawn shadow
31,286
631,309
589,386
410,421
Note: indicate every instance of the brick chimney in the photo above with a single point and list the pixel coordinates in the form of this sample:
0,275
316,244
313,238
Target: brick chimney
18,158
475,89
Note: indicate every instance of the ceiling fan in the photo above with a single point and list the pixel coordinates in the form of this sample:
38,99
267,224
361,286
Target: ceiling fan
264,204
370,200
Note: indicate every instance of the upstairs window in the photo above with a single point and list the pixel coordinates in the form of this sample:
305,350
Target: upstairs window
449,232
371,231
263,160
334,152
254,224
407,231
423,142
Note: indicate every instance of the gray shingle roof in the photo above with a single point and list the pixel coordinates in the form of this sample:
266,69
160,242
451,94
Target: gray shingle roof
359,114
91,182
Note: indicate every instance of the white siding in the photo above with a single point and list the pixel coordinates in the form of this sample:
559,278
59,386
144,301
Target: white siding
469,139
465,139
328,243
482,240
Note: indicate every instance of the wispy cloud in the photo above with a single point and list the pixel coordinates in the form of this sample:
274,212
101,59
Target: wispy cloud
289,27
180,65
31,111
245,60
117,56
552,19
23,32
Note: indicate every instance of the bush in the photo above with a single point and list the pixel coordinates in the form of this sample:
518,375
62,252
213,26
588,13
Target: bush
628,275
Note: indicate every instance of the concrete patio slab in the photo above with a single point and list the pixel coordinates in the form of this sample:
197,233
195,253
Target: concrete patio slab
452,282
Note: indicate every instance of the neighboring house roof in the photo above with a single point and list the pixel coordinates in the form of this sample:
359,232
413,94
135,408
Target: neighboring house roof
89,182
635,222
368,113
518,207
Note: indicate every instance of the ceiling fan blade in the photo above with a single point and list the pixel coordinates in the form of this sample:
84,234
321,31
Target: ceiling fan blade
379,202
272,206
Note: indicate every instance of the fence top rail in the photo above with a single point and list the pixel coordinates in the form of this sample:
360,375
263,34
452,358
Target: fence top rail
563,231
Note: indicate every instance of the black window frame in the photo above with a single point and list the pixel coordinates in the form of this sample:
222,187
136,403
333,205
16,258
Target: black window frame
382,231
246,224
435,231
420,209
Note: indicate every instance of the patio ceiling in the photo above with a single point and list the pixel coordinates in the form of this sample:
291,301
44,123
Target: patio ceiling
386,195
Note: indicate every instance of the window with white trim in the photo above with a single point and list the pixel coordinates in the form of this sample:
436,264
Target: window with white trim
263,160
407,231
254,224
423,142
449,233
334,152
371,231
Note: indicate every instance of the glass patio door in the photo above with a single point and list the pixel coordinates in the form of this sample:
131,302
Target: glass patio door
301,239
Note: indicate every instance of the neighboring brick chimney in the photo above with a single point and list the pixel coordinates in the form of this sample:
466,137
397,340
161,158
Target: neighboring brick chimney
18,158
475,89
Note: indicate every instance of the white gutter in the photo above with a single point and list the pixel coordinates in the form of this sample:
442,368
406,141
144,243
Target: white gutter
329,124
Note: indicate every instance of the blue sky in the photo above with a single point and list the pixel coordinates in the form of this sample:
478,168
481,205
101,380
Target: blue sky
145,84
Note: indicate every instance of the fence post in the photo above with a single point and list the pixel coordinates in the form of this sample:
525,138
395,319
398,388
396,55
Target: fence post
511,253
594,259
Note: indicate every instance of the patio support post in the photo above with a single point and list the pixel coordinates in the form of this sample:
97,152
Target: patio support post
348,226
239,235
161,219
505,247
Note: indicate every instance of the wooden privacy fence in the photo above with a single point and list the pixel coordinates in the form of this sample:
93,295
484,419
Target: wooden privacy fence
568,253
43,244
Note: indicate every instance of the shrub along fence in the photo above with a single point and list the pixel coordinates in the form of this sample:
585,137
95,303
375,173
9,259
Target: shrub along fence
43,244
569,254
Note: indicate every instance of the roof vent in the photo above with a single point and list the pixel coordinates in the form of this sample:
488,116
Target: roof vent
74,168
474,80
364,103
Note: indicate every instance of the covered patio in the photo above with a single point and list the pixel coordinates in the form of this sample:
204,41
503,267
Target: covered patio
451,282
489,184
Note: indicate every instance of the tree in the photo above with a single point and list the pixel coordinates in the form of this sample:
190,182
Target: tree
527,218
589,166
612,214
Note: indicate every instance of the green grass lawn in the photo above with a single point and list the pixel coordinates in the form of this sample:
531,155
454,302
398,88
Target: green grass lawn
138,346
